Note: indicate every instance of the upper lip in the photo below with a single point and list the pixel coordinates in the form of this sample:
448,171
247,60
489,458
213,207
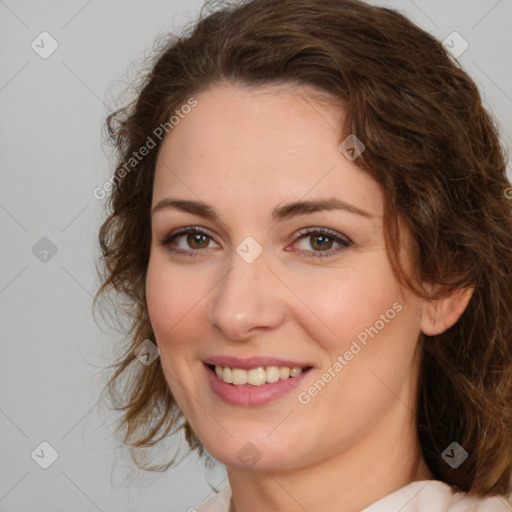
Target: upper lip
253,362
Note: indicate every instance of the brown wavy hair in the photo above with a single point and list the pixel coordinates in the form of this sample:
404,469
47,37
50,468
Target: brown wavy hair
430,144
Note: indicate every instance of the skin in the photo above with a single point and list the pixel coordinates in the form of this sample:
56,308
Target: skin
245,152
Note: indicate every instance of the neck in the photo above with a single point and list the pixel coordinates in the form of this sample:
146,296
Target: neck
349,481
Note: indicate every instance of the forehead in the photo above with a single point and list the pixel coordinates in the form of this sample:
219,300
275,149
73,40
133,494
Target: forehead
272,144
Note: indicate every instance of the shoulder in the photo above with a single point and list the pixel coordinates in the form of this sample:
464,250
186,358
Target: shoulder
423,496
217,503
428,495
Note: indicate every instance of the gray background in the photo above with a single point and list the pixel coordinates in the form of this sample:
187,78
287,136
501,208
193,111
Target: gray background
52,112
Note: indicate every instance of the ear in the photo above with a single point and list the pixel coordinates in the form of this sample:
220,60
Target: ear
440,314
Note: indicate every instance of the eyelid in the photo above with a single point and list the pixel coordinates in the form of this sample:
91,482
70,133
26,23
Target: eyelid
331,232
167,239
343,241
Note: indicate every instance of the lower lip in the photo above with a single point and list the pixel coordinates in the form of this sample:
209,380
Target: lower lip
249,395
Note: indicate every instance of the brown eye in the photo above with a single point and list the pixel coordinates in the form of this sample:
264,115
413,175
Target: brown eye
318,243
321,242
189,240
197,240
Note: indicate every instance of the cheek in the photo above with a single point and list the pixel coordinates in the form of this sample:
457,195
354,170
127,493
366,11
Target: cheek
345,302
160,298
170,299
372,350
172,302
369,357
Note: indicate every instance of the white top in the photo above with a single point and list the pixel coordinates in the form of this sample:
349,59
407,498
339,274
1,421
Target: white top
421,496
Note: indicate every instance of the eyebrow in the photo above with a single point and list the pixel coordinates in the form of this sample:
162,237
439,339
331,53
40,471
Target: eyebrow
279,213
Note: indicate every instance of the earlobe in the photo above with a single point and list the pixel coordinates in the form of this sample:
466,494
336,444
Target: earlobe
440,314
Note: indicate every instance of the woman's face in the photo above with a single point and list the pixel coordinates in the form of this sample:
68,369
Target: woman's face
286,268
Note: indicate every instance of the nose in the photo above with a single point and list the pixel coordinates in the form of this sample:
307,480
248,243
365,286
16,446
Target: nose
247,300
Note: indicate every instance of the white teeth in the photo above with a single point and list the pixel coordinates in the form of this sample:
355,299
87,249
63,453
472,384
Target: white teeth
272,374
256,376
239,376
227,375
284,372
295,371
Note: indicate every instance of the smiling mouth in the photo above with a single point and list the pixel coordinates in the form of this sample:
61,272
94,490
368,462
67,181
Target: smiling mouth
256,376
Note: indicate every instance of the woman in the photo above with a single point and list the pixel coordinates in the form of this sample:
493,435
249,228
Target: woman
310,220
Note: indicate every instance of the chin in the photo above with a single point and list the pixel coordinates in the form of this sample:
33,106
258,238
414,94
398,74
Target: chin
241,452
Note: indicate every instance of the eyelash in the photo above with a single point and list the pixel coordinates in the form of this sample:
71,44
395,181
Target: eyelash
344,242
